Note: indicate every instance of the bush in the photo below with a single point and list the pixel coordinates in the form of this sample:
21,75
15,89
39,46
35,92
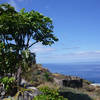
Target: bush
48,77
9,83
49,94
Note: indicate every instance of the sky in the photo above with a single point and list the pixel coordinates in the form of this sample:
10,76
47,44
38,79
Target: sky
76,24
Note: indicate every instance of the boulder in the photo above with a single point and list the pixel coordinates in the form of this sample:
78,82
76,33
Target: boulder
29,94
73,83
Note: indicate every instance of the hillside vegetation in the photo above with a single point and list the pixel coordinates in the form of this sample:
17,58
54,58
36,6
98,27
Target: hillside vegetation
42,77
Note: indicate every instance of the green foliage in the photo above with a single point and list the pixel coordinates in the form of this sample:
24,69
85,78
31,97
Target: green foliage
48,76
23,26
21,92
49,94
8,60
8,83
17,29
42,97
28,59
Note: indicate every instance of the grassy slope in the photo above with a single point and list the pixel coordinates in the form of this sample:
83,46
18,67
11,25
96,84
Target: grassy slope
39,76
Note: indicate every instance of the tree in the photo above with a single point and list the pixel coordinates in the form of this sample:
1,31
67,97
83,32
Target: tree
17,29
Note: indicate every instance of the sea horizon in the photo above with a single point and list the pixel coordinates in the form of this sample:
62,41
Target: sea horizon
88,71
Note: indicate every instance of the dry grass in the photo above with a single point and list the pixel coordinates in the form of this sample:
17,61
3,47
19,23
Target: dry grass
95,94
50,85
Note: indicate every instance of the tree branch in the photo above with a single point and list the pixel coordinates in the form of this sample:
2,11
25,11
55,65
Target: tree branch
28,41
32,44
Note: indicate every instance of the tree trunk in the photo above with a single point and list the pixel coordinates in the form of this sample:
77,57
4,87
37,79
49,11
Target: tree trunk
19,76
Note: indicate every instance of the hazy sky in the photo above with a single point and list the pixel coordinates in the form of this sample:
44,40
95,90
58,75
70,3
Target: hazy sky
76,24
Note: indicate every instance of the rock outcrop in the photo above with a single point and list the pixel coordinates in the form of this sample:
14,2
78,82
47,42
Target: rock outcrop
68,81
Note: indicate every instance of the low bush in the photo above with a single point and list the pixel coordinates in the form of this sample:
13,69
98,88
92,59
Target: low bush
9,84
49,94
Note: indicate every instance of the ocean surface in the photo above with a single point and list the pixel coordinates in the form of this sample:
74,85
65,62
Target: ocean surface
90,72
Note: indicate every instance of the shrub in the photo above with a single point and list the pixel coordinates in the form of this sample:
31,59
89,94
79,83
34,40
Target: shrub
9,83
48,76
49,94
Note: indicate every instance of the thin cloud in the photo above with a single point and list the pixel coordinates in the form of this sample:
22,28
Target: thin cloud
39,48
70,48
88,53
82,56
20,0
46,8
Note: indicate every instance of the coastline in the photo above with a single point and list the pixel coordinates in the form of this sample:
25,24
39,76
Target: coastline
86,71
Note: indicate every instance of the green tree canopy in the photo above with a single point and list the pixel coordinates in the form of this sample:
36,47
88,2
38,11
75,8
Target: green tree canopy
21,27
17,29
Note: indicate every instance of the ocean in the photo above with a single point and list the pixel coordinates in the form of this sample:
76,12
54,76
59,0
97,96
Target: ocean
89,72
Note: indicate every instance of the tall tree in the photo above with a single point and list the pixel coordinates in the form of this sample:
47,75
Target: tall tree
17,29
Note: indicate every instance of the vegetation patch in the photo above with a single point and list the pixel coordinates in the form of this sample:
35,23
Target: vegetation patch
49,94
